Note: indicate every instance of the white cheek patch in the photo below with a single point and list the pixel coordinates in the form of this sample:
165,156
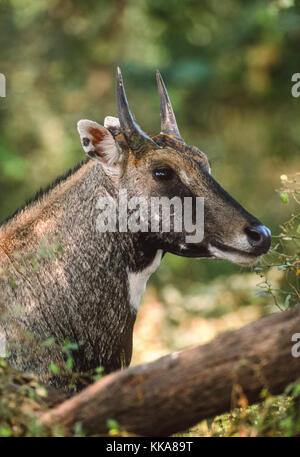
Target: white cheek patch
98,143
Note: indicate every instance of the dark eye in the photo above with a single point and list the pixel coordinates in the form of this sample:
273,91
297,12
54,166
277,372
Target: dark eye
163,173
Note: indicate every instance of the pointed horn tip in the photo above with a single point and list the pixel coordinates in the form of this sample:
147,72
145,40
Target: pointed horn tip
168,120
158,77
119,76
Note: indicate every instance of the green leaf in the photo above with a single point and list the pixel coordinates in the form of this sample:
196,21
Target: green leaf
54,368
68,347
284,197
49,342
69,363
112,425
99,373
264,393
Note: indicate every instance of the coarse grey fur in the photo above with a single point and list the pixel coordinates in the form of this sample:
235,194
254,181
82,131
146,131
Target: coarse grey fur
81,294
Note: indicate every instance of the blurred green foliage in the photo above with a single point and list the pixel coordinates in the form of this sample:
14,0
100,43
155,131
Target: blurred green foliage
284,254
227,66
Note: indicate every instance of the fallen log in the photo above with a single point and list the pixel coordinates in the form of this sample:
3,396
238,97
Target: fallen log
179,390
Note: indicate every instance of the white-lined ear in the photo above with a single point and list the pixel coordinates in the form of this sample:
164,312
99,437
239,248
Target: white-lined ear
99,144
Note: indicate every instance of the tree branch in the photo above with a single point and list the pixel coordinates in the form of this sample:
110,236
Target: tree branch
179,390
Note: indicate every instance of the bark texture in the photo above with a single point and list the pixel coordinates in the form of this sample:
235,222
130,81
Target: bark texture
178,390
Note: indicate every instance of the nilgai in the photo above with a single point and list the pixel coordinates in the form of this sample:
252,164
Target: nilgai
68,288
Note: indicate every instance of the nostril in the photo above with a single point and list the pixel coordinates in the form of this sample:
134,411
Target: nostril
253,234
259,237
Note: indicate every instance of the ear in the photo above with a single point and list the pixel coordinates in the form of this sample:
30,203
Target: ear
99,144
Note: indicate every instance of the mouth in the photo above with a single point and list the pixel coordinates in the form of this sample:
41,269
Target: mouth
215,250
234,255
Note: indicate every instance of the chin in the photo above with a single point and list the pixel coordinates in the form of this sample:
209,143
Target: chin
210,251
234,256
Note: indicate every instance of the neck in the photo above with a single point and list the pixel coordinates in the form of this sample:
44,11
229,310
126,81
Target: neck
74,282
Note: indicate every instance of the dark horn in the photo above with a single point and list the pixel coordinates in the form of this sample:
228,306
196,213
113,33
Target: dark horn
138,140
168,120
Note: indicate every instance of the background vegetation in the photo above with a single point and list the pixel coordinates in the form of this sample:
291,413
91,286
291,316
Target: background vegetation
228,68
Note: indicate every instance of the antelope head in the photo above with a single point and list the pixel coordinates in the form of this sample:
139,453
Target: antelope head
164,165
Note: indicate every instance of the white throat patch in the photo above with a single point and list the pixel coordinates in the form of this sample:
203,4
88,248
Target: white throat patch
137,281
